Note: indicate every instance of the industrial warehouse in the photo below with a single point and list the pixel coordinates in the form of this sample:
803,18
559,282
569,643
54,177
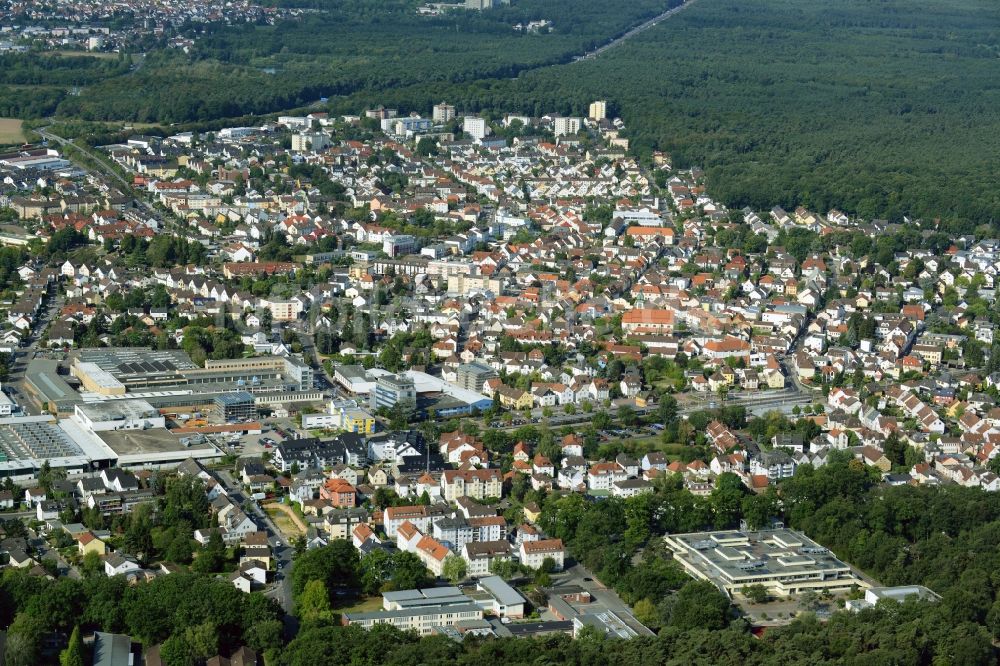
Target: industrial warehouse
133,407
165,379
112,407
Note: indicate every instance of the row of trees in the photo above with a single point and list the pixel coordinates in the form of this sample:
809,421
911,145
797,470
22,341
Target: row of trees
910,633
193,616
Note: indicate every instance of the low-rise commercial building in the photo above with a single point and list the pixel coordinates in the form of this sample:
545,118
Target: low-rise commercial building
354,378
423,620
236,406
341,415
898,593
119,415
785,562
428,610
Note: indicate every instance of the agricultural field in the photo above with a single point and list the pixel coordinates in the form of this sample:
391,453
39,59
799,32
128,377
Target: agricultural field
11,131
101,55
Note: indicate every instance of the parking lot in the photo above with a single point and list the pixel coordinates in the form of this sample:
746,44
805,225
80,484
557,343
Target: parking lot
602,596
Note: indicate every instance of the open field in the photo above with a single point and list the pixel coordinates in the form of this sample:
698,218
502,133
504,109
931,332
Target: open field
282,518
83,54
10,131
366,605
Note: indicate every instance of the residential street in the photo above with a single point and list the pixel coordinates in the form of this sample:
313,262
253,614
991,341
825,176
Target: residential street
281,589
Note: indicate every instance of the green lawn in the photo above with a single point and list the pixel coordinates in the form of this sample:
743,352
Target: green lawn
365,605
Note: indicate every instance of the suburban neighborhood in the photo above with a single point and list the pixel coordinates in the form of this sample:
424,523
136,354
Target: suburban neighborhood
414,341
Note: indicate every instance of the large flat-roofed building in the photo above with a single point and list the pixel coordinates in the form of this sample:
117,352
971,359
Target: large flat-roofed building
296,373
111,372
445,398
155,447
423,620
341,415
507,602
783,561
429,609
119,415
421,610
48,162
134,367
123,433
900,593
354,378
51,389
96,379
431,596
27,442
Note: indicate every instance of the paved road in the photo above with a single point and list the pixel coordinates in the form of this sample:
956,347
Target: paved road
30,514
108,171
311,355
590,55
758,403
23,355
281,589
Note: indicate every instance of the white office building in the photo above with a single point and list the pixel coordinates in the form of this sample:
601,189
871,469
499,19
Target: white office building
475,127
566,126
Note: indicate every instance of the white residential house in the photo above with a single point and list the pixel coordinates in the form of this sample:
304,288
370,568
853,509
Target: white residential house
534,553
631,488
116,564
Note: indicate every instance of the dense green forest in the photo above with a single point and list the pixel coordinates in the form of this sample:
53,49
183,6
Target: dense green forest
193,616
345,48
883,109
907,634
